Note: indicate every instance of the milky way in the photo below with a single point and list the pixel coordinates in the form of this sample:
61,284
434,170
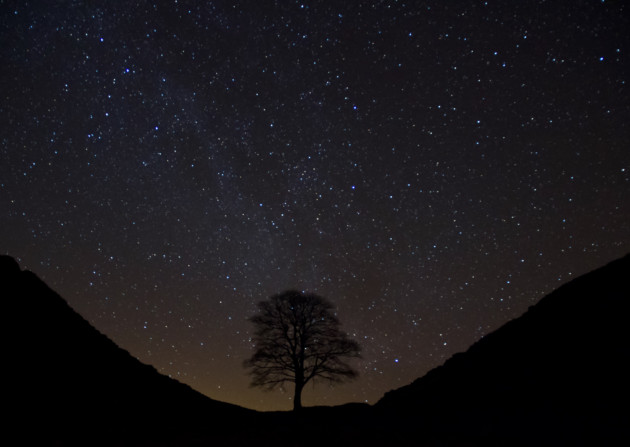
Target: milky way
433,168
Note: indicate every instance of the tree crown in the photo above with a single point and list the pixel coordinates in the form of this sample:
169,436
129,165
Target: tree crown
297,339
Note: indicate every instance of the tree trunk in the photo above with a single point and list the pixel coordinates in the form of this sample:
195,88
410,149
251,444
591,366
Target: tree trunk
297,398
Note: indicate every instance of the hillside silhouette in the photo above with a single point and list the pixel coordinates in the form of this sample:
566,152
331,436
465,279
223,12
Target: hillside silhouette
558,375
71,384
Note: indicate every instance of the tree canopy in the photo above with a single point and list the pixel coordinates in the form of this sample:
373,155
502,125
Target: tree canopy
297,339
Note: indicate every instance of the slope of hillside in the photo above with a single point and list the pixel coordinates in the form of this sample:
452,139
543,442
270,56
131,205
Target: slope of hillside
67,380
556,375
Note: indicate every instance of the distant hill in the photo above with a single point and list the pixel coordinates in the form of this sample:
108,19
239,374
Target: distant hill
558,375
69,384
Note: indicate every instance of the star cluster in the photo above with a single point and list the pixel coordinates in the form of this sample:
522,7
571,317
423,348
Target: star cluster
433,168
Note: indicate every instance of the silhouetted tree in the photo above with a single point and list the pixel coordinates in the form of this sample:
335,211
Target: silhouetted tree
297,339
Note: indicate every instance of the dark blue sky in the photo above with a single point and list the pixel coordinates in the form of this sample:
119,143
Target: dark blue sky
433,168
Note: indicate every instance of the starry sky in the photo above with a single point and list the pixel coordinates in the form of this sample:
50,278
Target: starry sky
432,167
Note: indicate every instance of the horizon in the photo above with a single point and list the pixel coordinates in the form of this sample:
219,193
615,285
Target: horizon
24,269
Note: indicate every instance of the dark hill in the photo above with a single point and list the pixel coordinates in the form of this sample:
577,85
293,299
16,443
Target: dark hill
69,384
558,375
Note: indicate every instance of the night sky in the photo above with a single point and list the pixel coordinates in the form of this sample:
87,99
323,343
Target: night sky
433,168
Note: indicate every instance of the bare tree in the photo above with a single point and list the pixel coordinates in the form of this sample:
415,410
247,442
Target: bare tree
297,339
